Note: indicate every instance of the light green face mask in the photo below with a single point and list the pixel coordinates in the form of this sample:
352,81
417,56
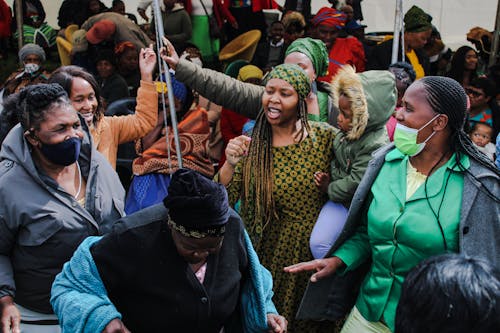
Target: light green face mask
405,138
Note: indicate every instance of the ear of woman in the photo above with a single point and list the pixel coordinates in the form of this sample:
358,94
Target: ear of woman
440,123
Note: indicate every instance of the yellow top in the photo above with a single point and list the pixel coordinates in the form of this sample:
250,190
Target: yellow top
419,70
413,180
81,201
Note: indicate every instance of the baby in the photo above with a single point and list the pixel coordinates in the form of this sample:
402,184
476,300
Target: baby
481,135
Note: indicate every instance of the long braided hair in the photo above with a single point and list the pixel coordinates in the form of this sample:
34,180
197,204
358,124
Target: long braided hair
446,96
258,171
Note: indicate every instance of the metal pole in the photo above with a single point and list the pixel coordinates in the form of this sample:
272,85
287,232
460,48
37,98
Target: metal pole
170,92
19,22
397,30
495,41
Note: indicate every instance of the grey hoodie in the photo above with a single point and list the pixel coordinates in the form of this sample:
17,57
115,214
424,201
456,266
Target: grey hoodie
41,225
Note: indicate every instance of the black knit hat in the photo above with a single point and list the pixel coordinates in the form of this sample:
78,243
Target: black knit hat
198,207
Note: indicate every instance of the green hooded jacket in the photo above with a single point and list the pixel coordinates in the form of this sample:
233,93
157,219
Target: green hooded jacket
373,97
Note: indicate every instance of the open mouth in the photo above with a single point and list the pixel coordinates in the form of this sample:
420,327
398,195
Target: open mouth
273,113
87,116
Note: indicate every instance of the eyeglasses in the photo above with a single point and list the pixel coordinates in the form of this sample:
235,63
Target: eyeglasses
474,93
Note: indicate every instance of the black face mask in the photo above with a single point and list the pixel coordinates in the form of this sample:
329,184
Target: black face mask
63,153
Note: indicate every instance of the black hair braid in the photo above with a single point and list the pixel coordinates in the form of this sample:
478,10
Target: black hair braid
258,174
447,96
407,68
35,100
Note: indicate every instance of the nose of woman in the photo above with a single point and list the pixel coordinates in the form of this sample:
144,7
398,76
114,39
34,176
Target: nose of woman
76,132
274,98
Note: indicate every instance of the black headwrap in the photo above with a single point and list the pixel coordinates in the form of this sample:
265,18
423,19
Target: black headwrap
198,207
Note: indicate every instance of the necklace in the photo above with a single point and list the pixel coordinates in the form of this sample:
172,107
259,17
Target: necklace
79,181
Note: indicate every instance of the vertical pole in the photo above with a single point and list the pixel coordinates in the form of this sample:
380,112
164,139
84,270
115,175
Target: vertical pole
495,41
170,92
397,30
19,23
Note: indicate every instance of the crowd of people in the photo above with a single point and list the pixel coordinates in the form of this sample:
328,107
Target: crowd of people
317,187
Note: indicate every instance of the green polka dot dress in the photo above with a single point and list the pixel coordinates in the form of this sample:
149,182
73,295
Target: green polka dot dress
285,240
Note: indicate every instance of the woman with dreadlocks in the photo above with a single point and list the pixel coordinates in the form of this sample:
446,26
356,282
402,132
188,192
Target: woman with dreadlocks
273,174
432,194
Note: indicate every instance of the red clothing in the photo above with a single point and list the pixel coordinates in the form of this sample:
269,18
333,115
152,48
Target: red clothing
231,126
391,127
5,19
221,12
345,51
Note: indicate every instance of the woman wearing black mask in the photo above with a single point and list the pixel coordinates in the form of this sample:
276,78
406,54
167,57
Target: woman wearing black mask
55,190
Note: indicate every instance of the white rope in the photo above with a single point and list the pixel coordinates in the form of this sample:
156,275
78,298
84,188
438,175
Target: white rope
402,28
163,68
80,181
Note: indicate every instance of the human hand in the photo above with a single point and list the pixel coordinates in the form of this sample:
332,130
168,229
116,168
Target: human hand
276,323
115,326
161,117
323,267
10,316
237,148
143,14
147,62
322,180
168,53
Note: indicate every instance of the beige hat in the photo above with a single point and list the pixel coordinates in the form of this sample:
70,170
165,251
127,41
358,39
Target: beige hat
79,41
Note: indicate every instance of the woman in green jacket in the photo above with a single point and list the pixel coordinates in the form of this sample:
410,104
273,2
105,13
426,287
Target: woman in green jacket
433,194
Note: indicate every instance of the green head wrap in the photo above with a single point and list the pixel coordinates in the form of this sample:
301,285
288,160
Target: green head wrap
315,50
294,75
416,20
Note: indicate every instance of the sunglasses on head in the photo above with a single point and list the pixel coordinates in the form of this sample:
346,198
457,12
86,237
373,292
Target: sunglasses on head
473,92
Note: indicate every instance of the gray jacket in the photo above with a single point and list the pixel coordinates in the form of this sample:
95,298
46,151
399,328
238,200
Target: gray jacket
41,225
243,98
479,236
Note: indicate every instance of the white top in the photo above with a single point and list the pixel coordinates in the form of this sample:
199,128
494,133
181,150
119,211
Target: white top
488,150
198,9
144,4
